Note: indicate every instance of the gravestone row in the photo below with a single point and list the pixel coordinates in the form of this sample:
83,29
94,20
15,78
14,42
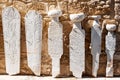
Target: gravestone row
33,29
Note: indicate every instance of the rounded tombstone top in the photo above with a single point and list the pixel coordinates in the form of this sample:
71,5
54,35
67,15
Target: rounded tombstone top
77,17
32,14
10,13
111,27
55,13
97,17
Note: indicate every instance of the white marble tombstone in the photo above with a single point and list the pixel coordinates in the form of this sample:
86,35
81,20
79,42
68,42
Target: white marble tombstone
33,28
110,48
55,41
11,32
77,45
96,31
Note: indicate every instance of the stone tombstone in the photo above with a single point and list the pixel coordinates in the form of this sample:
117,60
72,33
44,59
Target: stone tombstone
11,32
55,41
110,48
33,28
77,45
95,43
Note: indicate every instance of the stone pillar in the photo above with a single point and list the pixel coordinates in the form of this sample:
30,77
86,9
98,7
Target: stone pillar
33,28
110,48
55,41
95,43
77,45
11,32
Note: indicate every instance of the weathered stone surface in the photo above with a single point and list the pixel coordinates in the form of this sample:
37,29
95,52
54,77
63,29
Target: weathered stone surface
77,45
11,31
95,44
33,28
110,48
55,41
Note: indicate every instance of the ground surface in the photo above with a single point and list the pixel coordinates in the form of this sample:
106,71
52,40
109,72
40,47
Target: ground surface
6,77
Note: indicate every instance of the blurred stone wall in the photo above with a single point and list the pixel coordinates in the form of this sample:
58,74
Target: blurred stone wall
105,8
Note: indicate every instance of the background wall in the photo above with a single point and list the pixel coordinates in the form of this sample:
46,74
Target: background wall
103,7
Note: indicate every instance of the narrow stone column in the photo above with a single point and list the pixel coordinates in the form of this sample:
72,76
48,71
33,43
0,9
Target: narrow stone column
55,41
110,48
77,45
11,32
95,43
33,28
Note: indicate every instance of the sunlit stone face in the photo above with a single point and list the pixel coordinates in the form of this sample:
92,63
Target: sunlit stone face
111,27
77,45
55,13
77,17
55,41
110,48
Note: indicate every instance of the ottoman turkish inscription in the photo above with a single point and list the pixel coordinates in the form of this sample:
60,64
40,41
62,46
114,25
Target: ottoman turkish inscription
33,28
55,41
11,31
77,45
